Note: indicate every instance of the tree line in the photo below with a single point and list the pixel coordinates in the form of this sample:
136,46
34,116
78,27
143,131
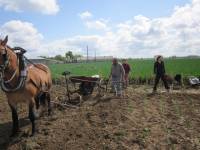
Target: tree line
69,57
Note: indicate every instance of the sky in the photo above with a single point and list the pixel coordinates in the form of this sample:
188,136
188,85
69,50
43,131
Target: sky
119,28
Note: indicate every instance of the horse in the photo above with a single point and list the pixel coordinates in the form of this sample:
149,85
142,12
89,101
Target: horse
31,89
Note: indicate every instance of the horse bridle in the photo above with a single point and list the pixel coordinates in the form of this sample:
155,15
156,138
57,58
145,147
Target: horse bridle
5,64
3,68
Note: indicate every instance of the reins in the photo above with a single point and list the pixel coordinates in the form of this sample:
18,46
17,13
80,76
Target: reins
21,79
12,77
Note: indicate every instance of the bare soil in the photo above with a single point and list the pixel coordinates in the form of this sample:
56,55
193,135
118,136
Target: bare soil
138,121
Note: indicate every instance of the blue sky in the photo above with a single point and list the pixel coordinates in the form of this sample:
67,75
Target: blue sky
60,23
67,23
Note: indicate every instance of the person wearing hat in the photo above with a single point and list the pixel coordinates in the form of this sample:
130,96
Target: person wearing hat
159,71
117,76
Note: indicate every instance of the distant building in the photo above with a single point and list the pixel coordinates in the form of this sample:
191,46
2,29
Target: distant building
193,56
97,58
173,57
45,61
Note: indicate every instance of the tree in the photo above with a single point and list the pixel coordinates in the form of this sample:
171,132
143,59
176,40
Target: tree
69,56
76,57
43,57
59,57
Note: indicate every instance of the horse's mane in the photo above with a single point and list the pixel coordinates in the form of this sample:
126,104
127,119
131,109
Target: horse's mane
39,66
10,47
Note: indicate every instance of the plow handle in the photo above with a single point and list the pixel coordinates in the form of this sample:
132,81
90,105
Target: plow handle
67,87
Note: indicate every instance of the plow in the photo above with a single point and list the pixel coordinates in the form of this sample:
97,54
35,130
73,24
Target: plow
80,86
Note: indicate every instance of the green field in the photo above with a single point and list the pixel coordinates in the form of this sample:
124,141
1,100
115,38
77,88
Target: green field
140,68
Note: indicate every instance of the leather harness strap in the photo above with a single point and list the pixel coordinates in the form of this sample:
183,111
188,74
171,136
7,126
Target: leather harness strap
3,83
22,79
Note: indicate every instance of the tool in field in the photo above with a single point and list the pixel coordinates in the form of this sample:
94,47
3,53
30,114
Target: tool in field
83,85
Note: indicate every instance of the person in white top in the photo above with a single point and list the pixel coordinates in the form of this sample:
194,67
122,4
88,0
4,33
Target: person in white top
117,76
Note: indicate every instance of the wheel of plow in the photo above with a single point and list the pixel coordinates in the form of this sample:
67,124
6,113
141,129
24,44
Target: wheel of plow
86,88
75,99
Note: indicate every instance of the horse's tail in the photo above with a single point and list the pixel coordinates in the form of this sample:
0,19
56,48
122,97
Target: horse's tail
43,99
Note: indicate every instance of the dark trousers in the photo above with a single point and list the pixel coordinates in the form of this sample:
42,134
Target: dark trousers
157,79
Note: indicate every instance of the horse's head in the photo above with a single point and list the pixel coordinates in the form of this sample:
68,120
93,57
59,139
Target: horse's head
3,54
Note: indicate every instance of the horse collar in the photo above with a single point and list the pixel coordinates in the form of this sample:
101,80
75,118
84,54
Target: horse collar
3,83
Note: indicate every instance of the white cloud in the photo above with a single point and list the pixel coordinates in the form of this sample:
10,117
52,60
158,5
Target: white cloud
97,24
177,34
48,7
22,34
100,24
85,15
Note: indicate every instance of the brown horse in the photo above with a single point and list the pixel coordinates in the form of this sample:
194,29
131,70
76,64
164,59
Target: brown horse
32,89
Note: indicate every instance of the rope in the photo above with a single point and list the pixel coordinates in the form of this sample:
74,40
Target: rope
29,61
64,105
8,81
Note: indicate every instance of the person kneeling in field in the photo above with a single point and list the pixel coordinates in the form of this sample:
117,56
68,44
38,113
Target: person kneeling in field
127,70
117,77
159,71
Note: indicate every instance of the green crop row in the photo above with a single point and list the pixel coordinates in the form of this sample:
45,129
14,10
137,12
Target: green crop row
140,68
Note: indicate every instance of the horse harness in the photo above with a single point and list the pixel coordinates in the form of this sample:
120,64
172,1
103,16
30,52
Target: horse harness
5,84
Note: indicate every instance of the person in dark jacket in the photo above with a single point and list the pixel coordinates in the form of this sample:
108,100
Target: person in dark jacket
159,71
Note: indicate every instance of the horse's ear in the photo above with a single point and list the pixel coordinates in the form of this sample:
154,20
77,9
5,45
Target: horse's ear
4,42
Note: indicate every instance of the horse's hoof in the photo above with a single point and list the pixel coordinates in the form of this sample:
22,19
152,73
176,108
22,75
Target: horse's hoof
32,135
12,135
15,133
49,113
37,115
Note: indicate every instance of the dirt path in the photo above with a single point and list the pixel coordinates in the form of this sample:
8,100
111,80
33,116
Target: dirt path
141,121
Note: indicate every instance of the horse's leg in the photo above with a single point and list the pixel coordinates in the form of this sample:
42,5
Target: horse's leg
48,98
32,117
37,102
45,98
15,120
42,98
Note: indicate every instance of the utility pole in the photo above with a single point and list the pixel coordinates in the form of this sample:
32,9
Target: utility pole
87,54
184,39
95,55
